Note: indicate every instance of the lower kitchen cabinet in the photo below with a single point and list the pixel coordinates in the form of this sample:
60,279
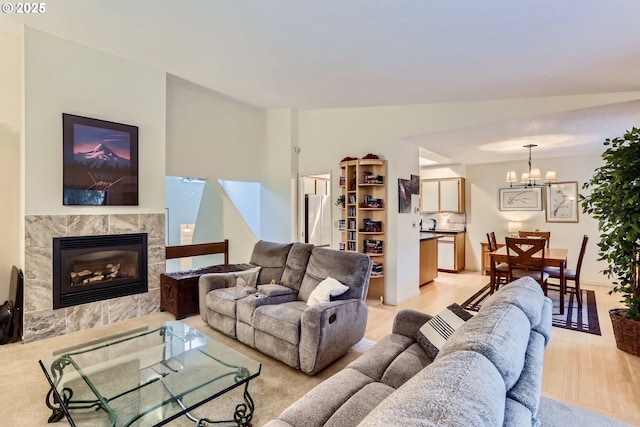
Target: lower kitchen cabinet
451,252
428,260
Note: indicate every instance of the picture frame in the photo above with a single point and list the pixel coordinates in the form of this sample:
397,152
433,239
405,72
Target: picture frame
100,162
520,199
404,195
415,184
561,202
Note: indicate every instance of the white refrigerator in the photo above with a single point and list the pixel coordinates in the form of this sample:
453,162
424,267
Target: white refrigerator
317,220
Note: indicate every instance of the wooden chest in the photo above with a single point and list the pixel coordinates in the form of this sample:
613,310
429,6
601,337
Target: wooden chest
179,289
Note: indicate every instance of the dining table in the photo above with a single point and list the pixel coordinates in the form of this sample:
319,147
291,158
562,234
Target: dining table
553,257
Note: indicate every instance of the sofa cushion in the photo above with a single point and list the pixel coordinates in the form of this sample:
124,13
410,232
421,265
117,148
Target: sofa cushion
267,295
275,290
314,408
326,289
448,392
527,389
525,293
376,360
433,334
349,268
223,300
272,257
359,405
296,265
501,334
406,365
280,320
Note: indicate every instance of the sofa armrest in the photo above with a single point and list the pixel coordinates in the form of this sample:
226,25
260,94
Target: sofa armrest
209,282
408,322
329,330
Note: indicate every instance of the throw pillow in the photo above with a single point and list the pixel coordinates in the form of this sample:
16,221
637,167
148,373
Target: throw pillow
326,289
247,278
433,334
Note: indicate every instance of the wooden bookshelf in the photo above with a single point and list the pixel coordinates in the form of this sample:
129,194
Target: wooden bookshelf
363,185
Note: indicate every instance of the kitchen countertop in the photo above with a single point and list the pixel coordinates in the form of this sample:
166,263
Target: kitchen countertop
429,236
437,231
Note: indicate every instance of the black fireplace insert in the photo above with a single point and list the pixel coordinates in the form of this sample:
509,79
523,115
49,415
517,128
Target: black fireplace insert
95,268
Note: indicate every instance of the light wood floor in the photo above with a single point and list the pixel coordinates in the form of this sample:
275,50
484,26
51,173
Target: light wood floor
581,369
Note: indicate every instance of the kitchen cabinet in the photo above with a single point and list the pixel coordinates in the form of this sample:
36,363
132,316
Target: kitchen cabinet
428,259
429,196
442,195
451,249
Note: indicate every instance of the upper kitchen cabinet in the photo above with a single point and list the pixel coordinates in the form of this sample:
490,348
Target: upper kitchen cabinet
442,195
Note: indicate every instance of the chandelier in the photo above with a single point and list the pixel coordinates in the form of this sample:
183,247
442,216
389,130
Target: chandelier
530,178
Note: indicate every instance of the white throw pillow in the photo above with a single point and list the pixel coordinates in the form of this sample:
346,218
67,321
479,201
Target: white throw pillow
326,289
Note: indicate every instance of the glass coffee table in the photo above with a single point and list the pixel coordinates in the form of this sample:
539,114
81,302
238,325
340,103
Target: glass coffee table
146,377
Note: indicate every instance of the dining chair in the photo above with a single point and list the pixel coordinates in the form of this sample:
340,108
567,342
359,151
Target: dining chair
521,260
536,234
573,275
501,269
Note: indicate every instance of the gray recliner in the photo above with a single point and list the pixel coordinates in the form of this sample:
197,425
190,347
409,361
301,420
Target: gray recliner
277,320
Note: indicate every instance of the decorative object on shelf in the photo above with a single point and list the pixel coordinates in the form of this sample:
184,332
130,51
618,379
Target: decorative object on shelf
529,178
562,202
348,158
340,200
371,157
370,178
613,201
100,162
520,199
372,203
404,195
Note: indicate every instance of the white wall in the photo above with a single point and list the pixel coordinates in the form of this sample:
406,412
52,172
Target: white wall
279,176
326,136
11,125
64,77
404,249
215,137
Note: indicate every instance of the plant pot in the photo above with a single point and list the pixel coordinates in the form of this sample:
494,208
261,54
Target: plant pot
626,331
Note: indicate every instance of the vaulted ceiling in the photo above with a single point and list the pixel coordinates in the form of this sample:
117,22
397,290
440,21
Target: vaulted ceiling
354,53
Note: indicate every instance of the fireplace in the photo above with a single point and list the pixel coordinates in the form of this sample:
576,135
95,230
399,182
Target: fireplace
95,268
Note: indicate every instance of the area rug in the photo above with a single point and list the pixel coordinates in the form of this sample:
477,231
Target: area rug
582,320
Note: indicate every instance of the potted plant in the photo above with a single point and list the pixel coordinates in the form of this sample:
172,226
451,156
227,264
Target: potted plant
614,200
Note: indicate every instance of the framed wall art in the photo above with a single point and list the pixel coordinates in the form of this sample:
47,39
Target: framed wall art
415,184
404,195
520,199
562,202
100,162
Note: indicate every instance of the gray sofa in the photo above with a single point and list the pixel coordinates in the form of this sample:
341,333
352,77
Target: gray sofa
488,373
275,318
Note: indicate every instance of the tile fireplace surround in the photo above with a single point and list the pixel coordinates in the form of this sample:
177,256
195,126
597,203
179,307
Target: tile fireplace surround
40,320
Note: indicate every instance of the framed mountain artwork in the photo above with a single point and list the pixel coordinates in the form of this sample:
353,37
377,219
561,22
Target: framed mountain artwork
100,162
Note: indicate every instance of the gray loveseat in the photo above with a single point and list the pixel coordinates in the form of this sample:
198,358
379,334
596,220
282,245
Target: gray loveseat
274,316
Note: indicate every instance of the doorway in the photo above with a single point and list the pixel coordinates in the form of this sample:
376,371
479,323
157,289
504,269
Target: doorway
314,209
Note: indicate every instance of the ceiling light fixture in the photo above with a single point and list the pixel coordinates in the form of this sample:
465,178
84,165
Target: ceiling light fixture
528,179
